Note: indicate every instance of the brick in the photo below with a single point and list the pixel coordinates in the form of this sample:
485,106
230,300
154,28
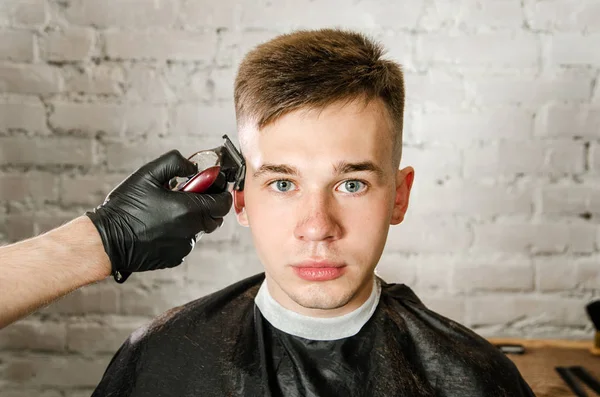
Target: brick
525,157
594,158
555,273
21,392
129,13
233,46
214,267
96,298
89,190
196,87
54,371
24,13
212,15
459,127
175,82
433,272
122,156
563,15
172,45
154,278
432,162
85,337
396,268
101,79
547,238
587,18
30,79
33,335
72,44
419,234
79,392
363,16
480,49
48,220
493,275
540,310
472,14
569,200
574,49
470,199
588,273
110,118
289,15
439,14
141,302
433,88
222,81
16,45
147,83
250,266
530,91
448,306
398,47
17,227
22,113
491,14
38,186
55,151
196,119
562,121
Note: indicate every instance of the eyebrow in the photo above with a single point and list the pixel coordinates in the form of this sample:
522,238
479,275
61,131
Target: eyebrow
342,167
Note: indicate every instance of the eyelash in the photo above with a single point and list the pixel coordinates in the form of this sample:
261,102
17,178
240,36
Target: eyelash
367,185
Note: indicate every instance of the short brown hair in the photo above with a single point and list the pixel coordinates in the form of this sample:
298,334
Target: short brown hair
313,69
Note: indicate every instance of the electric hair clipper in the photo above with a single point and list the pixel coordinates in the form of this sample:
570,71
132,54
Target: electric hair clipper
226,159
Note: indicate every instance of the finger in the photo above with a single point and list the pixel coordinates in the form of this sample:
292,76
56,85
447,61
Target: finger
219,185
183,249
168,166
220,204
211,224
213,205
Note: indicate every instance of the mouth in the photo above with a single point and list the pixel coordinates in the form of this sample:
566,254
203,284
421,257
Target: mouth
319,270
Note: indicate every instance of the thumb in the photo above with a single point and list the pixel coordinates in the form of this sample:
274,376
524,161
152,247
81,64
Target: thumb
211,205
168,166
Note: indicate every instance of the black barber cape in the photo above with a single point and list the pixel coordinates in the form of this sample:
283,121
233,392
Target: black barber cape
220,345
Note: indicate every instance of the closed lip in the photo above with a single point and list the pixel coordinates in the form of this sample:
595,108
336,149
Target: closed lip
319,263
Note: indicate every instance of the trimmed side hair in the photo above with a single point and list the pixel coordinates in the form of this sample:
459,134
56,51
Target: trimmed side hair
314,69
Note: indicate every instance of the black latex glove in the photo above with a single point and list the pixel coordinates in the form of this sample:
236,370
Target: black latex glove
145,226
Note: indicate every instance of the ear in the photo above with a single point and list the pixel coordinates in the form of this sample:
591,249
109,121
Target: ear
404,182
240,207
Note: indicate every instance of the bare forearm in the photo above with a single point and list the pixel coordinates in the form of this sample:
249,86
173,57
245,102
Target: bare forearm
37,271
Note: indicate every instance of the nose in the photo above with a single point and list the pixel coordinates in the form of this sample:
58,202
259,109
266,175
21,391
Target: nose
317,219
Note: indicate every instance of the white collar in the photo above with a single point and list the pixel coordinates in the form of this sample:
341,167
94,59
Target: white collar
316,328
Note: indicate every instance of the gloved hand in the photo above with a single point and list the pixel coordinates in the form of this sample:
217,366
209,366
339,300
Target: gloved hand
145,226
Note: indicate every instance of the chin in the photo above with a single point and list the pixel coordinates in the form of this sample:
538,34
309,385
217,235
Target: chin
318,296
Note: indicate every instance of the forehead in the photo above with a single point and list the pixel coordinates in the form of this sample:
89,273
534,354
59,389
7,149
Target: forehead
352,131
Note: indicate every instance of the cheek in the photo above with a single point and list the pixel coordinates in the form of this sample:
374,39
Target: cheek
268,219
371,212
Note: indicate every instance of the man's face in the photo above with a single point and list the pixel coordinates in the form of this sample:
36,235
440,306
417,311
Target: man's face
321,190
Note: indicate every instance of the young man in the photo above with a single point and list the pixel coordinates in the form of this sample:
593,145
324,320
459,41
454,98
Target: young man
320,124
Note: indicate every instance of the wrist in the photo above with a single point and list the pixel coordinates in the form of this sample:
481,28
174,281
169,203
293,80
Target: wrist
81,238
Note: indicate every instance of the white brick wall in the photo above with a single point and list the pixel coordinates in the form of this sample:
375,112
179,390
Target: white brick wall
502,127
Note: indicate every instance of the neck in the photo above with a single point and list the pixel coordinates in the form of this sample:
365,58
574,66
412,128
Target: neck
315,328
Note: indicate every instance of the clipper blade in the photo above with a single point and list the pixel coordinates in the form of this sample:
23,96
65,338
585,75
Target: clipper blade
233,165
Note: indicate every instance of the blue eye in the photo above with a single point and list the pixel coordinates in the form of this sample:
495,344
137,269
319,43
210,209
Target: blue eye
283,185
353,186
